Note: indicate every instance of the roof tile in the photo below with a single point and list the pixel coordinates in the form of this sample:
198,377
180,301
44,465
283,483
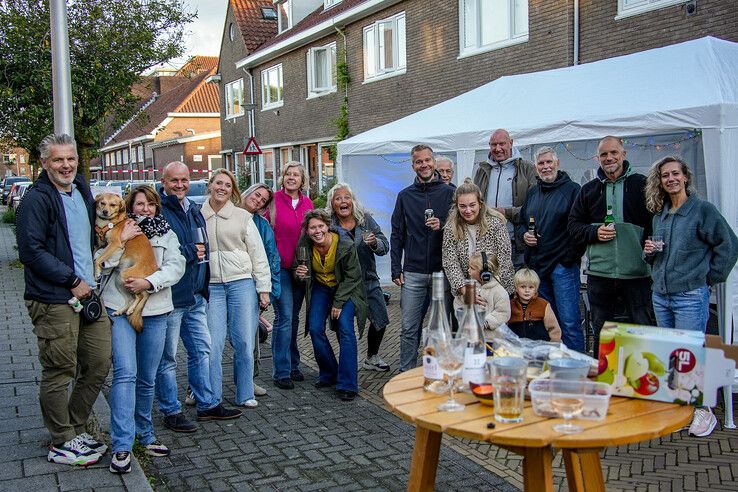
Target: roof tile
255,30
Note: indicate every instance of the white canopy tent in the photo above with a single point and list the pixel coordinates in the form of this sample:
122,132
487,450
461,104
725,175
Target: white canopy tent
677,95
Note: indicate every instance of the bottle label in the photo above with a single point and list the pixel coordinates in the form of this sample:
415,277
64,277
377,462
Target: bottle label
473,366
431,369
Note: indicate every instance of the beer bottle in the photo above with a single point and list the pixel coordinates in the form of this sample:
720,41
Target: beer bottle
609,217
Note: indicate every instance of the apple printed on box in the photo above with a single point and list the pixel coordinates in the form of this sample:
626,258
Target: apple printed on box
652,363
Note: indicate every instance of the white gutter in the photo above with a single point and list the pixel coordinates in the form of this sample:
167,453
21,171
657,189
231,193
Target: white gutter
193,115
316,32
124,143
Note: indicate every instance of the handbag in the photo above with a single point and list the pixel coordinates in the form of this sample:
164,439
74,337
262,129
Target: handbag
91,307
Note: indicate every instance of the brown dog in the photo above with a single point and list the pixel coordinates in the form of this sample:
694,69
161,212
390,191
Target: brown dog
138,260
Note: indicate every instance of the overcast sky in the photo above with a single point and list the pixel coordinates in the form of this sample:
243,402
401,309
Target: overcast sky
206,30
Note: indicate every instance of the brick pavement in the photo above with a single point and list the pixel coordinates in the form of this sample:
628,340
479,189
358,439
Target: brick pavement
306,439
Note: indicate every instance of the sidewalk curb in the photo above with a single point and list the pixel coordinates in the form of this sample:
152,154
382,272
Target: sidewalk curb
136,479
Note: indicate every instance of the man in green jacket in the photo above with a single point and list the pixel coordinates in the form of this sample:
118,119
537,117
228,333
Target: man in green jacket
505,182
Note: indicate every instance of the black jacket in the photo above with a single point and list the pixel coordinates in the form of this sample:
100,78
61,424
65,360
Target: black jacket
590,207
183,292
410,237
549,204
43,241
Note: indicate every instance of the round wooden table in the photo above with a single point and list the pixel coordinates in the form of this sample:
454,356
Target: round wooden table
627,421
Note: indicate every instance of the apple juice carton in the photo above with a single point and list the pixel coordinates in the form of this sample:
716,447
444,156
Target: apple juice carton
663,364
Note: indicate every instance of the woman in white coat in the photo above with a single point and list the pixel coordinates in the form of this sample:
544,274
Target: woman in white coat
240,282
136,356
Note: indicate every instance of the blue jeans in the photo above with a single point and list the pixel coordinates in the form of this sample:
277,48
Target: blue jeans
561,290
136,357
234,309
415,290
285,353
190,323
688,310
345,372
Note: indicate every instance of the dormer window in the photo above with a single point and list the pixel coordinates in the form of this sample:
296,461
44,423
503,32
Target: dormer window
268,13
330,3
284,15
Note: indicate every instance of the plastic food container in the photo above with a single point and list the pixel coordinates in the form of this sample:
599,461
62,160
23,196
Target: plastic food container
596,400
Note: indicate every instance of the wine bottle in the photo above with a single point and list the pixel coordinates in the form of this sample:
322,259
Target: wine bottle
472,328
433,376
609,217
532,227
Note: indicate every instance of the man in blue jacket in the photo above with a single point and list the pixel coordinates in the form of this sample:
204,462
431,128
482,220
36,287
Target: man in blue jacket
549,250
189,318
54,232
415,246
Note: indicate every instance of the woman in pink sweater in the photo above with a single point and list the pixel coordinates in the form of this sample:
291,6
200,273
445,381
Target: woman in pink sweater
285,215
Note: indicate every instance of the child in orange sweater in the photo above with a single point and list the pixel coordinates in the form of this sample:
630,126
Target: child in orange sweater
532,316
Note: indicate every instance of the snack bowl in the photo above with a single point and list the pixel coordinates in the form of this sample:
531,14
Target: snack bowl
596,399
484,393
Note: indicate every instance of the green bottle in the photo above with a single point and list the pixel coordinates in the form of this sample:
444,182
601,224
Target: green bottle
609,217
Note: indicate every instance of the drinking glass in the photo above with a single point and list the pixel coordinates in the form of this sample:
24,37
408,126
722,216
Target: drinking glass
302,257
200,237
508,379
450,356
658,242
567,399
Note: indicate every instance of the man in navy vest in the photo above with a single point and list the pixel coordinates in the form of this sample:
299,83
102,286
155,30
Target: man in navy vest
189,319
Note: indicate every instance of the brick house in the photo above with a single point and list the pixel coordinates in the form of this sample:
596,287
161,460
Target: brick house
15,162
178,119
403,56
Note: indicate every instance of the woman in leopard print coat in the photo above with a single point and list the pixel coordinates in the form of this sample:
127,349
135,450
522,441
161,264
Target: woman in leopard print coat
472,227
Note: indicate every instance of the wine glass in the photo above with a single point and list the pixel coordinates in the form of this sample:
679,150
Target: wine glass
567,399
302,256
450,356
200,237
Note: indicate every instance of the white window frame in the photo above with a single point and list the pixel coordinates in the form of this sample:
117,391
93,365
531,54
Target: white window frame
330,3
477,47
280,21
313,90
268,104
399,51
641,6
230,99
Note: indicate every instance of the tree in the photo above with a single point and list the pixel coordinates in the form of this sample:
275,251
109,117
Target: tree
111,42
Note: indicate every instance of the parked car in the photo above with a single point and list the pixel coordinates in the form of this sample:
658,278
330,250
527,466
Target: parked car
16,195
198,190
8,183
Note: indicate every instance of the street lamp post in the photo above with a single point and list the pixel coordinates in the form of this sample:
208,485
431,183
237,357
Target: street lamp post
60,69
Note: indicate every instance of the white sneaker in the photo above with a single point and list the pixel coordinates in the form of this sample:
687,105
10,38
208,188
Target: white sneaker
375,363
703,422
259,391
121,462
190,398
74,452
93,443
249,404
157,449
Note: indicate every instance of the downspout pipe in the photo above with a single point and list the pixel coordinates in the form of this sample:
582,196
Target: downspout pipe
576,32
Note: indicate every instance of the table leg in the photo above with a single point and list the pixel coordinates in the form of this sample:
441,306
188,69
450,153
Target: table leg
584,470
537,469
425,460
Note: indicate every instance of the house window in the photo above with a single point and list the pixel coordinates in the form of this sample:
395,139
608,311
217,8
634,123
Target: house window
232,31
626,8
321,69
284,15
491,24
271,87
330,3
125,156
140,153
384,47
234,98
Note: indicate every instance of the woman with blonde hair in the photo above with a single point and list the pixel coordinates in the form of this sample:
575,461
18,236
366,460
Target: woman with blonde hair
472,227
240,282
285,215
349,214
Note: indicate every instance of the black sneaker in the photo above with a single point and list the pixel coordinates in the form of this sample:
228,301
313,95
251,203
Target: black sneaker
323,384
297,375
284,383
121,462
346,395
218,412
179,423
